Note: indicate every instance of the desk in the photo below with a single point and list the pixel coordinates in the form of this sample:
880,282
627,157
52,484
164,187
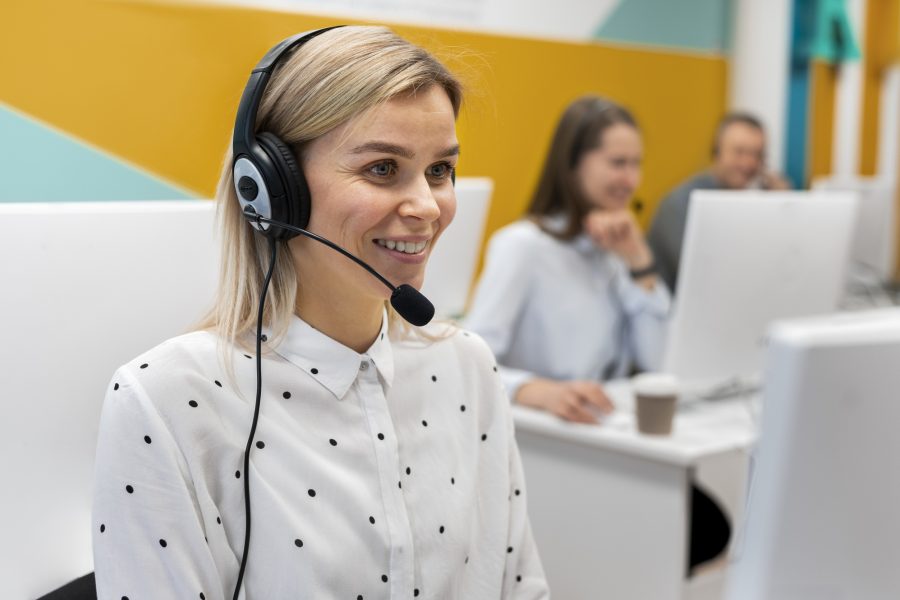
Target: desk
609,507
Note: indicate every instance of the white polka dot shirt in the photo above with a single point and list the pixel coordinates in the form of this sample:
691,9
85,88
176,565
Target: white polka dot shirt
385,475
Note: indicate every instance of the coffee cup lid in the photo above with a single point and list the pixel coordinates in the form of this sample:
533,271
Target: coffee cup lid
655,384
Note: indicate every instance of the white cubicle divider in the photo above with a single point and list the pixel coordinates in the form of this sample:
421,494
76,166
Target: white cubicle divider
451,266
821,520
86,287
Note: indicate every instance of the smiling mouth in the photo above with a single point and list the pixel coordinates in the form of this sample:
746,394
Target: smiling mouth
401,246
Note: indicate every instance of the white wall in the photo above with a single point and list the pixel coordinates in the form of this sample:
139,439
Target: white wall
848,101
561,19
758,75
889,126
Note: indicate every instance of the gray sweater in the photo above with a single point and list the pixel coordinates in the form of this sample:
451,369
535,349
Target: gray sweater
666,234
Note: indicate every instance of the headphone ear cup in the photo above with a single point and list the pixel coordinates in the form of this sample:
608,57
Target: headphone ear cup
294,209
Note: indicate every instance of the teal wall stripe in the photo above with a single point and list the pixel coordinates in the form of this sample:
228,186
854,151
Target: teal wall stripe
41,164
703,25
803,29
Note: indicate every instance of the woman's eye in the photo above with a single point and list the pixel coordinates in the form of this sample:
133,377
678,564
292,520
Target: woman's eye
439,171
383,169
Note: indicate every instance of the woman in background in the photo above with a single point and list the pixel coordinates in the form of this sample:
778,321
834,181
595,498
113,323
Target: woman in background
569,295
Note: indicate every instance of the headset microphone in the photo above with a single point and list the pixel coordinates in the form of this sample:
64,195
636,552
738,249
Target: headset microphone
409,302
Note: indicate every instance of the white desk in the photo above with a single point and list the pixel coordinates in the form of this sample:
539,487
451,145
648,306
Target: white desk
610,507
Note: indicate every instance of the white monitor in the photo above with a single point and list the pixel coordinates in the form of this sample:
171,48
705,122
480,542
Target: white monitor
749,258
822,517
451,266
874,234
86,287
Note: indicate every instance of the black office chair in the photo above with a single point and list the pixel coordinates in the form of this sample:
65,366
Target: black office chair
82,588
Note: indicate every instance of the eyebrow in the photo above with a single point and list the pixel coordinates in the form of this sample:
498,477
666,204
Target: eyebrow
388,148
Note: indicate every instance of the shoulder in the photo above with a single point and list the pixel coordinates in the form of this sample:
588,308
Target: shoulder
677,199
700,181
173,364
519,233
524,240
191,349
450,344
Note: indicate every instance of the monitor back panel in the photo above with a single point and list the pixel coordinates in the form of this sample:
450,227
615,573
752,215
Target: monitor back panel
750,258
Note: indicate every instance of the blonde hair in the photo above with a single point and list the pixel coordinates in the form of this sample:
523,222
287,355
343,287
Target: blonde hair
322,85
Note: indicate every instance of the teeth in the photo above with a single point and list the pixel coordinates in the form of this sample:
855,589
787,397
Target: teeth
405,247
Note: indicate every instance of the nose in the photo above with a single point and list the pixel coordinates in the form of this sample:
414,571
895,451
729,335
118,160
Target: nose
419,202
751,159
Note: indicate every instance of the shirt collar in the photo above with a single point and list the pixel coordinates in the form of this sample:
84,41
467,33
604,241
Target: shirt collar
382,354
581,242
331,363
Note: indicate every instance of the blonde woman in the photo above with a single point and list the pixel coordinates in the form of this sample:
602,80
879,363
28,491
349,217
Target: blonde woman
382,463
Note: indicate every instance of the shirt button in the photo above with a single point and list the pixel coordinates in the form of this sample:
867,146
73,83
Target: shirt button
363,366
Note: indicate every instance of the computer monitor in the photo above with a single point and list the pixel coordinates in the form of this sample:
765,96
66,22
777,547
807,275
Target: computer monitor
874,234
822,516
451,266
86,287
749,258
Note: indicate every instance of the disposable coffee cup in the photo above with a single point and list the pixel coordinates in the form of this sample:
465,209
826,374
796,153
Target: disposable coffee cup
655,397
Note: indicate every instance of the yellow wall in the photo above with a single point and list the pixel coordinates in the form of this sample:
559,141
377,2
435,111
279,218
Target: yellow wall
821,142
157,83
882,41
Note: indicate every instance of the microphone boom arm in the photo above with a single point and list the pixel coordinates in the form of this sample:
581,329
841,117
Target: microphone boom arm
406,300
252,215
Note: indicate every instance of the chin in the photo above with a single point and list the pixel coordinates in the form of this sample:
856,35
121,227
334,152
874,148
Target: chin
416,282
739,182
614,204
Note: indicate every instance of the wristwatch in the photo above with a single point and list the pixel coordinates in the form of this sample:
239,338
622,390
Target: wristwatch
650,269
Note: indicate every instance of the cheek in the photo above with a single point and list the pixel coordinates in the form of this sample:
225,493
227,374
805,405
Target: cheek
343,216
447,207
590,178
632,177
323,205
611,178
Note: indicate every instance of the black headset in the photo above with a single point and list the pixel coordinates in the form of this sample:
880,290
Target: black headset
270,186
267,177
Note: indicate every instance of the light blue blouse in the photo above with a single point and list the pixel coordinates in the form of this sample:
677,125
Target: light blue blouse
564,310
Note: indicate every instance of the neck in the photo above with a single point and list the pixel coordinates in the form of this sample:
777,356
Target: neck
352,321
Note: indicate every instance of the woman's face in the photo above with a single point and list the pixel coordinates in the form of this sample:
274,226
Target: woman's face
381,188
609,174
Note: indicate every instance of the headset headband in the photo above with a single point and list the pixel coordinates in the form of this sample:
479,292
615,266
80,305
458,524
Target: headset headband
245,122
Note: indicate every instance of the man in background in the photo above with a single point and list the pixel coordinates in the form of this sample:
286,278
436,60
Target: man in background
739,163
